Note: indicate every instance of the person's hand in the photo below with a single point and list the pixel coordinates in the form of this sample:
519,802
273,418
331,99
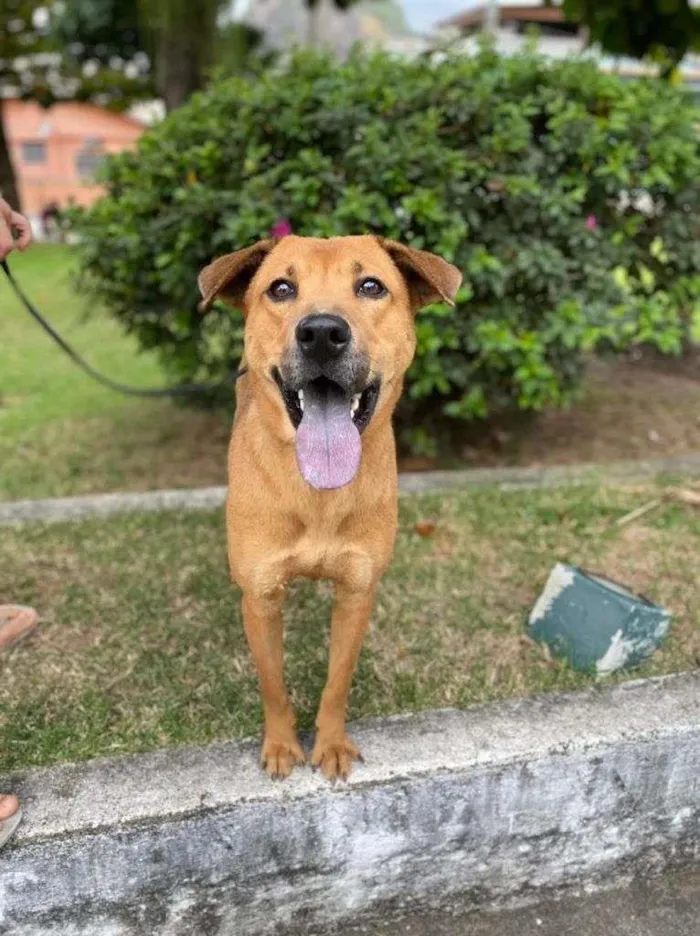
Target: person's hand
11,221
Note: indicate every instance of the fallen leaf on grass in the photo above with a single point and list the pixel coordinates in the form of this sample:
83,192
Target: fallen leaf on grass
425,528
417,463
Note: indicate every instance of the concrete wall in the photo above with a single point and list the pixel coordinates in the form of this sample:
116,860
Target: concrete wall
492,804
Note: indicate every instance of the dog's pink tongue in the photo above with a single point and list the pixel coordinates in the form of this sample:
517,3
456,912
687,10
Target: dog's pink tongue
328,443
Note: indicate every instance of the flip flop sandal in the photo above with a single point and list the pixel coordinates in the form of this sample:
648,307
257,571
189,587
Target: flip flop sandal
8,826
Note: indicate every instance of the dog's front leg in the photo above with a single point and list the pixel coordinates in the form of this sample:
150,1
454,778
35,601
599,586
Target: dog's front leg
264,628
334,752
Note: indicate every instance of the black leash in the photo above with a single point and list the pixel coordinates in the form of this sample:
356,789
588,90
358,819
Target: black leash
181,390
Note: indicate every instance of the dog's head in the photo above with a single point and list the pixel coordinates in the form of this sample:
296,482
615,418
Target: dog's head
329,335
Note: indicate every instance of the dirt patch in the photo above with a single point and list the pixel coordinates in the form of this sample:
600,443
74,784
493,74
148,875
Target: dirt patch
628,409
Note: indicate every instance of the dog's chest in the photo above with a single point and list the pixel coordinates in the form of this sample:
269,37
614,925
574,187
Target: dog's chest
335,560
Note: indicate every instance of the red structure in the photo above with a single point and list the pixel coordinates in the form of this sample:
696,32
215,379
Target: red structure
55,152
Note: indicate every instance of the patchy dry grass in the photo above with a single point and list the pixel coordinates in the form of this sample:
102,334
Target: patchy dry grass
141,643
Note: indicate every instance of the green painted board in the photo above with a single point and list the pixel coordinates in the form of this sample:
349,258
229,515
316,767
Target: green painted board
595,624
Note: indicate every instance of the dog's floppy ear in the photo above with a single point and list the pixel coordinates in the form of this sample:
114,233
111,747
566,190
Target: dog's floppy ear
429,277
228,277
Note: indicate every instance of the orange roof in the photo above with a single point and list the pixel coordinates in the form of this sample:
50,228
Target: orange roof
507,13
27,120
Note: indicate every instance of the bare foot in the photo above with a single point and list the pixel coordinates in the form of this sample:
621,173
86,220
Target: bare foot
15,622
8,806
10,816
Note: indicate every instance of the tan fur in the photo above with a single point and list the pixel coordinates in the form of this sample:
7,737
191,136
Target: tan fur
280,528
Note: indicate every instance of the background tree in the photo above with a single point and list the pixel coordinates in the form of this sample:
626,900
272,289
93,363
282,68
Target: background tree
660,30
180,36
176,39
42,58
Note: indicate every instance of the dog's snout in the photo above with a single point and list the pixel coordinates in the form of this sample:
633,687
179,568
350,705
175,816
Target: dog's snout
323,337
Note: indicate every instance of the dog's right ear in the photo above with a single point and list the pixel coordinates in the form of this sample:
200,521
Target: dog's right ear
228,277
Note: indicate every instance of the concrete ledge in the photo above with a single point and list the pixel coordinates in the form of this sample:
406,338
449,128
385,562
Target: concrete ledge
489,804
56,509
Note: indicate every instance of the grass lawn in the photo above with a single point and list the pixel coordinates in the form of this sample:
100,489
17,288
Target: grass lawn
62,433
141,643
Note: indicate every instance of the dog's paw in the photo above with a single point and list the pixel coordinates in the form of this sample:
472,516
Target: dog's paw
334,758
279,758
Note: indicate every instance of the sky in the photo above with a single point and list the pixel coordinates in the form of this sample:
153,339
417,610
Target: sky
421,14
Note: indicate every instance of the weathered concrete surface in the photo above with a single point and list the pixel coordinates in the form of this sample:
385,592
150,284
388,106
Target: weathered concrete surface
492,804
57,509
54,510
668,905
551,476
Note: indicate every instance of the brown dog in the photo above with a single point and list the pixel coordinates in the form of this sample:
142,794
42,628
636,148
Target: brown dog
312,466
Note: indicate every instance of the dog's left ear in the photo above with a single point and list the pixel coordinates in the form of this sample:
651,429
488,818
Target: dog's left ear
228,277
429,277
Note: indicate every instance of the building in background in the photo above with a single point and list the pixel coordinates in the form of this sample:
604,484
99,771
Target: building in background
56,152
383,24
285,23
514,21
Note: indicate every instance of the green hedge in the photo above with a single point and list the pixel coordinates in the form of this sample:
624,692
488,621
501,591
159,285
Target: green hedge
568,197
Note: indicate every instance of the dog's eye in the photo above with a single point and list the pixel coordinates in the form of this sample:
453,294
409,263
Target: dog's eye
370,289
282,289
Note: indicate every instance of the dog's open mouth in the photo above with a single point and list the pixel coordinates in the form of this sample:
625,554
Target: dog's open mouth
328,422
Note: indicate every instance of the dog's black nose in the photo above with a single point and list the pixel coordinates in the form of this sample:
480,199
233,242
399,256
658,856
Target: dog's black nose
323,337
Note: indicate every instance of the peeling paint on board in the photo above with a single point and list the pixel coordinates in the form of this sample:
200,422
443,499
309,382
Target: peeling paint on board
560,578
597,625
